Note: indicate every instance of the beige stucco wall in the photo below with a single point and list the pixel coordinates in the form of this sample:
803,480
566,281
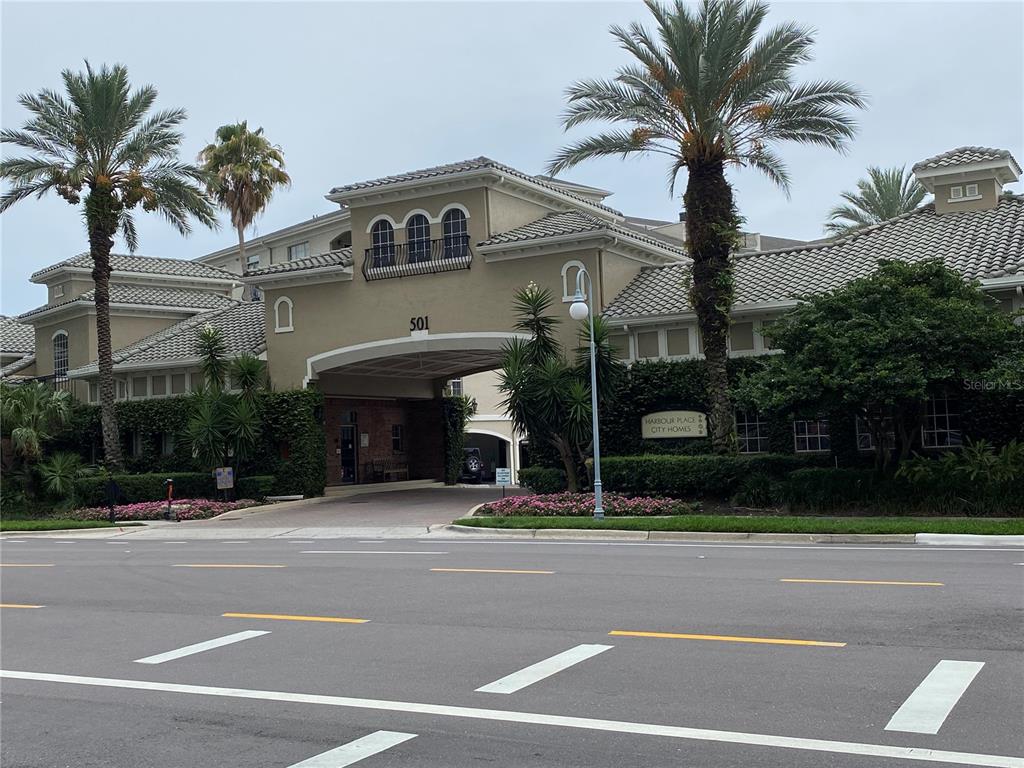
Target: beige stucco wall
483,387
126,329
989,190
507,212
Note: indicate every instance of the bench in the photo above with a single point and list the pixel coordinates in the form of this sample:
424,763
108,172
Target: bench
384,470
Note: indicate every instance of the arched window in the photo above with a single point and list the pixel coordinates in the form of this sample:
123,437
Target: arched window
456,234
417,235
570,271
60,353
382,237
283,315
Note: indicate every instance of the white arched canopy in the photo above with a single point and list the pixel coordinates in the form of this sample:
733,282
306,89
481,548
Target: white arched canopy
426,356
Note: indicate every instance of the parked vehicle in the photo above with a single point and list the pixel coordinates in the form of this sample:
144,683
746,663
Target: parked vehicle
472,466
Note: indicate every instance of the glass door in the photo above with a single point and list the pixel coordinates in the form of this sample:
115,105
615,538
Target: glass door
348,454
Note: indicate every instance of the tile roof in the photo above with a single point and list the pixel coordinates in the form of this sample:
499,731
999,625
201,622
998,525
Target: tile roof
340,258
150,265
17,365
241,324
978,244
184,298
476,163
16,337
962,155
577,222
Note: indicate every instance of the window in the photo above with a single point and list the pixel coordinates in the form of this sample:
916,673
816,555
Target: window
252,261
971,190
195,381
456,234
298,251
678,342
619,343
811,436
647,345
177,383
382,238
58,291
159,386
167,444
135,443
751,432
956,193
570,274
94,392
417,235
942,424
60,353
122,389
283,315
866,441
455,387
140,386
397,438
741,337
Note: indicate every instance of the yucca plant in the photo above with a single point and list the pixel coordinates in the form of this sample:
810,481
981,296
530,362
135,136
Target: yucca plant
59,473
707,91
99,145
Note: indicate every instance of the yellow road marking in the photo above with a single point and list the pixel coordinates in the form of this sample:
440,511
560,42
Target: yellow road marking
287,617
854,581
483,570
728,638
26,565
19,605
224,565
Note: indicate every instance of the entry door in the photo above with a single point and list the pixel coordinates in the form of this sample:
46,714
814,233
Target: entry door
348,454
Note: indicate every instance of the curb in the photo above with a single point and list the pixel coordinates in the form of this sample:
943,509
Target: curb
793,538
71,531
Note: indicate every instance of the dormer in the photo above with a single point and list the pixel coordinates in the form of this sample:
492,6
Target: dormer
967,178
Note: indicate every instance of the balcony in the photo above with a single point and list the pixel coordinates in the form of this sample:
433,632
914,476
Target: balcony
419,257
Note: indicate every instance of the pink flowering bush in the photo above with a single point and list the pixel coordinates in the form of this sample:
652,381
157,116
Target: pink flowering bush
187,509
557,504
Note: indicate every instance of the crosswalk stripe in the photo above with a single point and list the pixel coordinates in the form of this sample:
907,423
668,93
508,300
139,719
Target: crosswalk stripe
542,669
927,708
357,750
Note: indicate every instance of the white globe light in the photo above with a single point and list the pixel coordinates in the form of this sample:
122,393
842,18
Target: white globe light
578,310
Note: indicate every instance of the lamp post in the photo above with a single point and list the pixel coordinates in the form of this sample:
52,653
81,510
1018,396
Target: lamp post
582,307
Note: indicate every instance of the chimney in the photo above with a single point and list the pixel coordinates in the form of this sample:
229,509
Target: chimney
967,178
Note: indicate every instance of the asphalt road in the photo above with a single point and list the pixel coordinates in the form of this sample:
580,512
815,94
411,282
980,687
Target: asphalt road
762,672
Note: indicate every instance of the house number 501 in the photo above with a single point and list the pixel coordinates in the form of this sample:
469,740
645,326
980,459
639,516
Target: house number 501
421,323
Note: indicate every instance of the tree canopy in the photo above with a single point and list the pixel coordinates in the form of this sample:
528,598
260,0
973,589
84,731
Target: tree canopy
885,194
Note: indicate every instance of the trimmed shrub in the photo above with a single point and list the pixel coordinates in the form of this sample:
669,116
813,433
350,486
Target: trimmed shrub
255,487
134,489
543,479
582,505
693,477
185,509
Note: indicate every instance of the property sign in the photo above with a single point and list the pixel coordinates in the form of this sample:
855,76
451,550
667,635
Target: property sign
503,476
225,478
665,424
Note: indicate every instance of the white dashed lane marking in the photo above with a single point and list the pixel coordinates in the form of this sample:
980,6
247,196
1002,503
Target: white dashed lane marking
354,751
927,708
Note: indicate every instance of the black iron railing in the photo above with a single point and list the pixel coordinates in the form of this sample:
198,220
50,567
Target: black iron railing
62,383
418,257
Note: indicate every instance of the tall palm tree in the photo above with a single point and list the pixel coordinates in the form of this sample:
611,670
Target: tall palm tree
885,194
99,137
707,92
243,169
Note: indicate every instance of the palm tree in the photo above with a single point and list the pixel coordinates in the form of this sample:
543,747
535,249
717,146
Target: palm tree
707,92
243,169
885,194
30,414
101,138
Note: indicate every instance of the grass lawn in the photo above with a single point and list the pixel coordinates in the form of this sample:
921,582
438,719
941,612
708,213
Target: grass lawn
53,524
732,523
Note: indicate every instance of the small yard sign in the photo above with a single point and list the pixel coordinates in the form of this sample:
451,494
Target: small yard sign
503,476
664,424
225,478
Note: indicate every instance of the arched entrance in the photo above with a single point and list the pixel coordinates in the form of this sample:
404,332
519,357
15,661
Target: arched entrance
495,451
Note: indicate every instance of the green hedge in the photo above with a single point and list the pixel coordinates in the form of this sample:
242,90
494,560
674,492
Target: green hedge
693,477
92,491
542,479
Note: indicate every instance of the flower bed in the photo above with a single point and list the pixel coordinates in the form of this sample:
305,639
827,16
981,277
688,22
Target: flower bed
187,509
557,504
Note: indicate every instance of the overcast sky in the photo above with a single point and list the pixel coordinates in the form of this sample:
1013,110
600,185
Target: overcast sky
353,91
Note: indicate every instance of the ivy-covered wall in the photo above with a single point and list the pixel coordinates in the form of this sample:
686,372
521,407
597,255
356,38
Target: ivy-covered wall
291,446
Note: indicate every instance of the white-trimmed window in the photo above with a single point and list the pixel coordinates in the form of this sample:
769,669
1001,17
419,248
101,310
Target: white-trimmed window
570,271
398,438
417,237
956,193
159,386
60,353
283,315
647,345
751,432
971,190
942,424
866,441
122,389
298,251
58,291
677,342
455,387
252,261
741,337
619,342
456,234
140,386
382,240
94,392
178,383
811,436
